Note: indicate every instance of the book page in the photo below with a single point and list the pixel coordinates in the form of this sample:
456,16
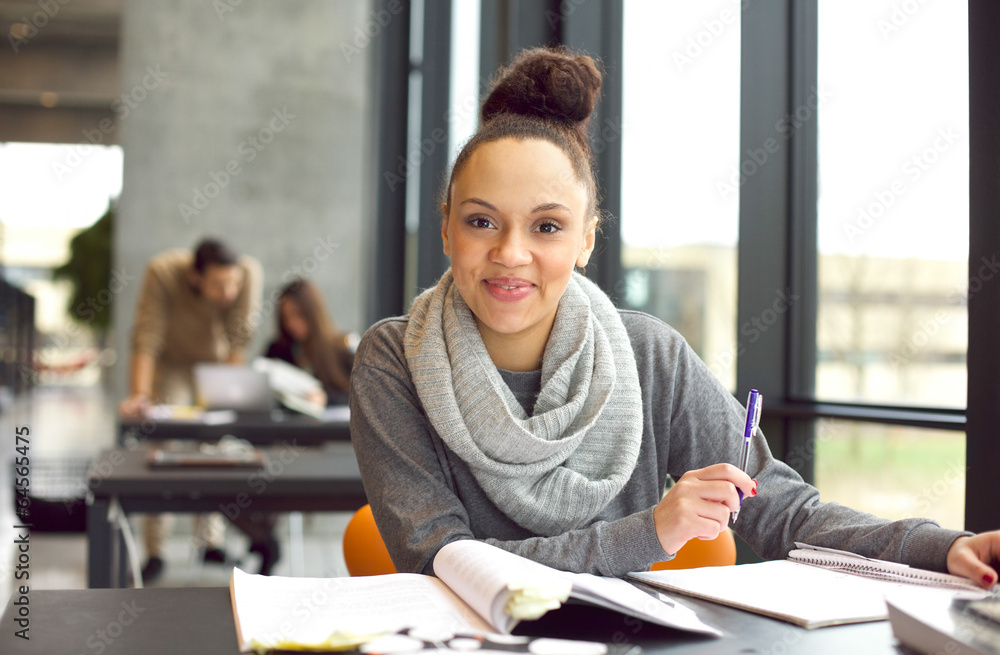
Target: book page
502,587
619,595
802,594
275,611
511,587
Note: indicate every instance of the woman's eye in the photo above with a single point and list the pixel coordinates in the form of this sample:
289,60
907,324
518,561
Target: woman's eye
480,222
547,228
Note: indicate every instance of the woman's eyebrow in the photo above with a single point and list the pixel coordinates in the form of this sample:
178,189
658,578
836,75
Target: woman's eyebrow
549,206
478,201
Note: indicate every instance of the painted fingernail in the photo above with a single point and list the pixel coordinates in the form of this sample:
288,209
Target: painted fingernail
988,580
754,491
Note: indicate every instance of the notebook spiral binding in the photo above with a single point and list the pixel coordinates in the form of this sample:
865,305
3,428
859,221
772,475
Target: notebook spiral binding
882,570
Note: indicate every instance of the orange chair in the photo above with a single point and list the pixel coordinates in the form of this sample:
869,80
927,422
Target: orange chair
364,550
720,551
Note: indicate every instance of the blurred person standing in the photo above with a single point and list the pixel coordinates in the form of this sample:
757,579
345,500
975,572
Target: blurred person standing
194,306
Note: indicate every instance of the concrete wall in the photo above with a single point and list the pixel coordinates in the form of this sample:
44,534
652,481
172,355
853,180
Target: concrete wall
245,120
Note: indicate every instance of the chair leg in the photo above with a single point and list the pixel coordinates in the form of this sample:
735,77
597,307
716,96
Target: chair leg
195,562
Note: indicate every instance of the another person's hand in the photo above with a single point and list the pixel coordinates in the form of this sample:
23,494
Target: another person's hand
976,558
135,406
317,396
699,505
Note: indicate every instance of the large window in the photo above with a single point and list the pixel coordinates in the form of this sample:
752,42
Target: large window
680,182
893,235
892,471
893,202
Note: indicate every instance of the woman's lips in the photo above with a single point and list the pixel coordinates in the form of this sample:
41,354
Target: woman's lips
508,289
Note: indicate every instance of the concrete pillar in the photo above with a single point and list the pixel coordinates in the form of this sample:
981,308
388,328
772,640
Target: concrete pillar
245,120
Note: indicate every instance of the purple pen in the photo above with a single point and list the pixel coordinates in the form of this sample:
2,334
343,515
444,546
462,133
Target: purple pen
754,402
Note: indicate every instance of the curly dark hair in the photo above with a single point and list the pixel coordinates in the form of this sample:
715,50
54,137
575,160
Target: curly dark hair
547,94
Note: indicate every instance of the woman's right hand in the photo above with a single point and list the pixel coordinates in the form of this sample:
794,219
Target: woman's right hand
699,505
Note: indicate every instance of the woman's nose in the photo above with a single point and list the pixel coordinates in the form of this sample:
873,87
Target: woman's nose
511,249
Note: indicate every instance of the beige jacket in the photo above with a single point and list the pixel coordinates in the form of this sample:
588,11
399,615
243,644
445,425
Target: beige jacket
179,328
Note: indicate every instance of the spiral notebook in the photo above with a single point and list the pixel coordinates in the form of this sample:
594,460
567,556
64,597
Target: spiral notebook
814,587
840,560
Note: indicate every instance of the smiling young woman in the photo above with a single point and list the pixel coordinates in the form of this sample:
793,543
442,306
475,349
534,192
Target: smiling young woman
516,405
515,229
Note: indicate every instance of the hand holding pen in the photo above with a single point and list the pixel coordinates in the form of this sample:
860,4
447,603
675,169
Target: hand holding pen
754,403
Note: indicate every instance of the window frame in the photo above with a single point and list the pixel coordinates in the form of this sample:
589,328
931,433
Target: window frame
777,233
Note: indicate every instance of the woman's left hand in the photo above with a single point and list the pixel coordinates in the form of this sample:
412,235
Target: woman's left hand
976,558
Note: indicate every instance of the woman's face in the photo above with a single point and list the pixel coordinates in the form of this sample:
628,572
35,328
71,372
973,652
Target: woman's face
515,231
293,320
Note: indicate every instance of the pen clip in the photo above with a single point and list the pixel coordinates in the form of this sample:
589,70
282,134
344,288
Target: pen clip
756,414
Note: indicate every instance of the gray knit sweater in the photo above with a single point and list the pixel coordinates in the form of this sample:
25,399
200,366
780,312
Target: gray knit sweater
423,496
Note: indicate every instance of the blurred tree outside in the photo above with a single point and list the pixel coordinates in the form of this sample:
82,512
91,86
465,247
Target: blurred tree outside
88,269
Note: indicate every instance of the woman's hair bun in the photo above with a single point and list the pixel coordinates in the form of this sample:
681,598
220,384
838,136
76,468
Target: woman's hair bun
553,84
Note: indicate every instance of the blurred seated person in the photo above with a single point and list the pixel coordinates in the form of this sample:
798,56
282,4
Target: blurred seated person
308,339
194,306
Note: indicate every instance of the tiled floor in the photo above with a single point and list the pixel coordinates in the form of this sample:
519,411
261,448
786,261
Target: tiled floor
78,422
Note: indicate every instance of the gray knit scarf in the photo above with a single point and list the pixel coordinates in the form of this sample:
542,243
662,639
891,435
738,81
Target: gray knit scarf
556,470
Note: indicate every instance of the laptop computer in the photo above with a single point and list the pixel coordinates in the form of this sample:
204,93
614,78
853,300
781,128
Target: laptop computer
228,386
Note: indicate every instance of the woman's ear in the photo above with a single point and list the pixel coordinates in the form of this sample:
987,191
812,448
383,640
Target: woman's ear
589,240
444,229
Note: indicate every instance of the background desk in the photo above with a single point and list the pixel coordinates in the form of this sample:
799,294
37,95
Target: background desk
297,479
257,428
200,621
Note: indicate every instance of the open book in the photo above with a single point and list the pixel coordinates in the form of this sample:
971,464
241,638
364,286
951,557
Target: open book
291,385
479,589
815,587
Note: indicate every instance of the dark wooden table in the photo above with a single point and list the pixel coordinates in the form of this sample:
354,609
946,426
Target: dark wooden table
259,428
296,478
198,621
